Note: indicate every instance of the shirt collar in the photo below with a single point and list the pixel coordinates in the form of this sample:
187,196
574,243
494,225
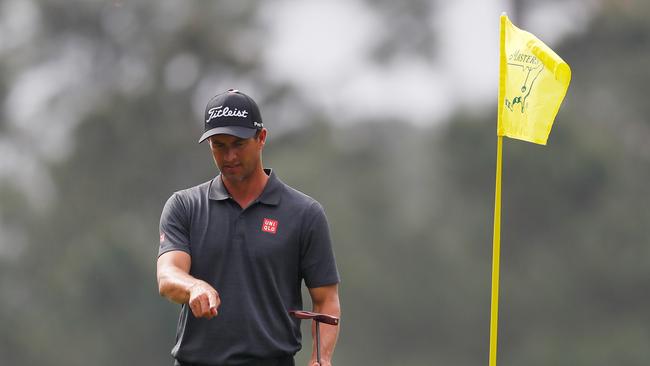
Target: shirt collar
270,195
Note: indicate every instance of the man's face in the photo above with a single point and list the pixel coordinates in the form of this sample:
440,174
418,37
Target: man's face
235,157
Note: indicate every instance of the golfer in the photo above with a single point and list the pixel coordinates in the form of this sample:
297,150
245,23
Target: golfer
235,250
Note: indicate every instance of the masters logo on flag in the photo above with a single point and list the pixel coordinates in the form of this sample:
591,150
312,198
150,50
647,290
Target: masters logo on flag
529,68
532,83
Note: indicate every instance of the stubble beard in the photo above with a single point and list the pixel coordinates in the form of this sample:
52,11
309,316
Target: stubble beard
235,178
238,178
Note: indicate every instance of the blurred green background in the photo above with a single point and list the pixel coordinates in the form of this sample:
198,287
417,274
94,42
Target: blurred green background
385,113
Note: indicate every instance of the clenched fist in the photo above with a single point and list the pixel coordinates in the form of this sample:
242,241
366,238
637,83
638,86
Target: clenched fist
204,300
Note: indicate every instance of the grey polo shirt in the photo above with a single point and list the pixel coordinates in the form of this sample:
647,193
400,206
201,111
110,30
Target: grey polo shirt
256,259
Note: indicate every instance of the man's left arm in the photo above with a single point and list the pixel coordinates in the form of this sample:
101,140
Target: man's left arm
325,300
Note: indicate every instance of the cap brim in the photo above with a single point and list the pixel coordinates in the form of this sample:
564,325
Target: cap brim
241,132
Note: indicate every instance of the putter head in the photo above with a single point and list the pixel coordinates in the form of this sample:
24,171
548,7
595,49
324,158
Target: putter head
321,318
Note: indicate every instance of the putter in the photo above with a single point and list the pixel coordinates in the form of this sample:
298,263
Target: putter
318,318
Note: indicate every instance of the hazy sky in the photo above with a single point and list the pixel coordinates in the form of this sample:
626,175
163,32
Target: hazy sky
330,59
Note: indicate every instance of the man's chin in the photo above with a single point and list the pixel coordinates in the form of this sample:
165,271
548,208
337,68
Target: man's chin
233,177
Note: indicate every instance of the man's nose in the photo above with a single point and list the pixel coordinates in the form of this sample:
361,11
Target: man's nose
230,155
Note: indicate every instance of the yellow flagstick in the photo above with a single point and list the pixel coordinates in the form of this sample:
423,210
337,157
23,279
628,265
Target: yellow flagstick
496,239
496,250
532,83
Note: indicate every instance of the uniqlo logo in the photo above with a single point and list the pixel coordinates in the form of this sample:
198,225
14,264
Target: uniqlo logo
270,226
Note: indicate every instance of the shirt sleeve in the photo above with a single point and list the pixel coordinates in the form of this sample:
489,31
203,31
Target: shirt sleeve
317,262
174,226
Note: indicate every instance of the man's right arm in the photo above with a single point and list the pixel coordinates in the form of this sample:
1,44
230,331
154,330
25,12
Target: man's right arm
176,284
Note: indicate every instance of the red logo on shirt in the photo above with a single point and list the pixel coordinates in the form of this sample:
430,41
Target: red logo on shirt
270,226
162,237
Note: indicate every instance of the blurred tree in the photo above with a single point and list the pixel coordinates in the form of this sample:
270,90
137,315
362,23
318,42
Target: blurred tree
410,208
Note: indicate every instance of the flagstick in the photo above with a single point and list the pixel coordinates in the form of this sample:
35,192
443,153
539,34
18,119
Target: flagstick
496,239
496,249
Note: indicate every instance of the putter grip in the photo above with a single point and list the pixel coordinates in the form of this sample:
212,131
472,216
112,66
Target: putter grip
321,318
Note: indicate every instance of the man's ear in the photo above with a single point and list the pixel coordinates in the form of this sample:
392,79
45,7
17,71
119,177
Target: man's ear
262,136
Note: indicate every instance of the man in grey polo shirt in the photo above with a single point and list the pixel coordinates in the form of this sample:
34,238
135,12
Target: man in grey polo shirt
234,251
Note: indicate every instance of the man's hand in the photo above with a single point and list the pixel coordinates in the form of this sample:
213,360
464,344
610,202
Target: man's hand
322,363
204,300
176,284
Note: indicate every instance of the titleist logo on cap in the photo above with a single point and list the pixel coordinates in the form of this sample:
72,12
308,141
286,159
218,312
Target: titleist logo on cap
220,111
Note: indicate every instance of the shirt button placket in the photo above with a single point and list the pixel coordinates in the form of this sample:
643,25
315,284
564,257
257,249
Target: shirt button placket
240,228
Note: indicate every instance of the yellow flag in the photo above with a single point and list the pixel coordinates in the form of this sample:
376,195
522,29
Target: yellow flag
533,80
